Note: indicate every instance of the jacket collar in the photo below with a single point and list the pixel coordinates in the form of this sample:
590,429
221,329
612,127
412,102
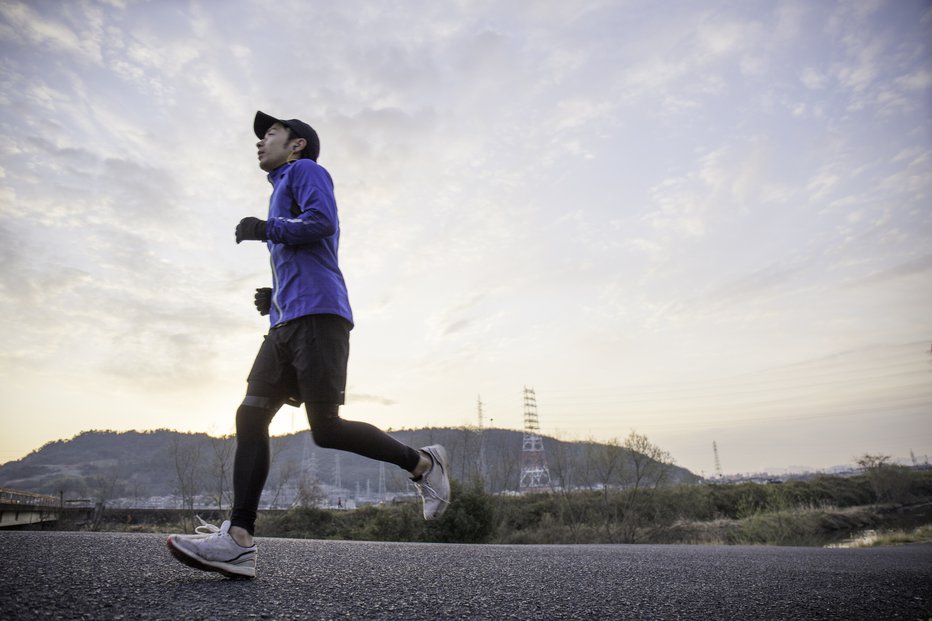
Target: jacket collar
276,174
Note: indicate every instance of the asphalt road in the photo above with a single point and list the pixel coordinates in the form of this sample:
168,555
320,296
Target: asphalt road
58,575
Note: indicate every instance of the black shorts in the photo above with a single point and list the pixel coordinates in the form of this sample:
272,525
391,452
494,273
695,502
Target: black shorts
305,360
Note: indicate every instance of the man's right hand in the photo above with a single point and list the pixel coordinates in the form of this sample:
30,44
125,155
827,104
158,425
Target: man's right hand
251,228
264,300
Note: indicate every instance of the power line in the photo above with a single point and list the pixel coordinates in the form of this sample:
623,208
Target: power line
714,388
822,371
581,420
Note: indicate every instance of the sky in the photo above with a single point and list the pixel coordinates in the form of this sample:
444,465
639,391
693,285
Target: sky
702,221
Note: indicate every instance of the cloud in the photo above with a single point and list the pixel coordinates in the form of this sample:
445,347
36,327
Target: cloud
646,194
355,397
918,266
718,37
919,79
651,248
86,249
756,285
84,188
821,185
457,317
28,279
876,69
725,184
813,79
913,180
27,27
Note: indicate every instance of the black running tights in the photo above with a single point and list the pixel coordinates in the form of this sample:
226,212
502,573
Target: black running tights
252,460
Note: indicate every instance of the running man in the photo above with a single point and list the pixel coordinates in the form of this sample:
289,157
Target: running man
303,358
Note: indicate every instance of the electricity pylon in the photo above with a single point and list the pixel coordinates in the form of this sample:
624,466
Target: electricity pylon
534,472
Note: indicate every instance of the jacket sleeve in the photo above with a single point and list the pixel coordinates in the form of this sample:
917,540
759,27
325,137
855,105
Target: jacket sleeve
315,218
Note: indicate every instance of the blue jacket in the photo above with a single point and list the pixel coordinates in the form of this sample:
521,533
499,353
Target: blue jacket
303,239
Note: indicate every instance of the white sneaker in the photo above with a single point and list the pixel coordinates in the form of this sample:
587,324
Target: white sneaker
216,551
434,485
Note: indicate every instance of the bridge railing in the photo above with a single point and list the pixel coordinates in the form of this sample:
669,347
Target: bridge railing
17,497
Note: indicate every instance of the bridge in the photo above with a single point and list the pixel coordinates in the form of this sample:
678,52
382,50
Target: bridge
19,508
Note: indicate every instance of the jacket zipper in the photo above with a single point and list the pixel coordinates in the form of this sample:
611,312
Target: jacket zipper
275,286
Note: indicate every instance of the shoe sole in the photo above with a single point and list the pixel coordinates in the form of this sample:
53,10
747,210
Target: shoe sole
196,563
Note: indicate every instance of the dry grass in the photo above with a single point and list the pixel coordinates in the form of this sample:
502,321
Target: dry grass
873,538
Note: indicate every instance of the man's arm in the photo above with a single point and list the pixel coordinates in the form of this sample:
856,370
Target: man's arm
312,191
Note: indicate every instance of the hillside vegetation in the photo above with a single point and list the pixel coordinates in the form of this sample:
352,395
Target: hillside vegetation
104,465
803,512
616,492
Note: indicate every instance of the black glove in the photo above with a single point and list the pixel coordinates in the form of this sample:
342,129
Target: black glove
251,228
264,300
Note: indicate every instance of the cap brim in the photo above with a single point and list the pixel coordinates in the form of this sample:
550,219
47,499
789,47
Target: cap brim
262,123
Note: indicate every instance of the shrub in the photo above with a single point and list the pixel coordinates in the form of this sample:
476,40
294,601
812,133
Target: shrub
401,522
795,512
797,527
300,522
468,519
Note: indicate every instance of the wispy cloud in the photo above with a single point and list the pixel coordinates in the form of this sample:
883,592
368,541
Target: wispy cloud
550,192
28,27
364,398
920,267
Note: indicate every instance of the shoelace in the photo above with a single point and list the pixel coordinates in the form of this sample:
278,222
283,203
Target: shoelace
422,487
205,528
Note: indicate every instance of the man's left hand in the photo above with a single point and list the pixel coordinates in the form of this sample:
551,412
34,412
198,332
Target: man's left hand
264,300
251,228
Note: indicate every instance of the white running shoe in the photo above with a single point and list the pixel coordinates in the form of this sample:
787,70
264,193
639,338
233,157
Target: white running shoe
434,485
216,551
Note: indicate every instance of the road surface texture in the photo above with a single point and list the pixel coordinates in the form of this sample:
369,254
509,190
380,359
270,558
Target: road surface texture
59,575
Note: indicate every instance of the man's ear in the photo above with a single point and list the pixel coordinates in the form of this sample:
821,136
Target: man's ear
299,145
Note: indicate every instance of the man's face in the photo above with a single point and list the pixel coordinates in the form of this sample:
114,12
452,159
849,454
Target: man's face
275,148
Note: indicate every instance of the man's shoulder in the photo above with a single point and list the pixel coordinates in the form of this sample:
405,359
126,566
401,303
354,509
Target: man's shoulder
306,169
306,166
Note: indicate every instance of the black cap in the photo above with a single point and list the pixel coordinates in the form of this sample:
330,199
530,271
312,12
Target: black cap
263,122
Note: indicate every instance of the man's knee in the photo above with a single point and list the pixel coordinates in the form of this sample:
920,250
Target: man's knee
325,424
254,416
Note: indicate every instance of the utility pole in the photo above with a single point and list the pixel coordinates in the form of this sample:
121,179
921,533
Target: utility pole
381,481
482,470
718,464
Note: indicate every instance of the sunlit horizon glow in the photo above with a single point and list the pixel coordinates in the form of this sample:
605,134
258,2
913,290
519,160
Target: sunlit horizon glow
702,221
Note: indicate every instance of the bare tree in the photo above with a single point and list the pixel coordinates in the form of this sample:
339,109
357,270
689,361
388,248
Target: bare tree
607,460
290,470
868,462
186,451
562,463
648,466
469,454
102,487
889,481
504,463
221,468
